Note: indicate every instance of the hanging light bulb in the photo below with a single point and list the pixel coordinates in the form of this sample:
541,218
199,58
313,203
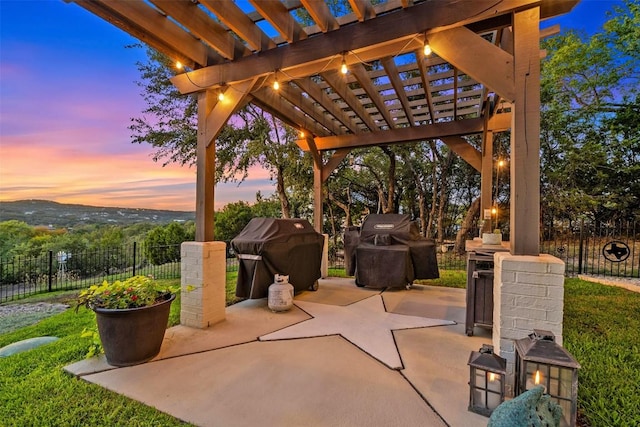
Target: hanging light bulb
500,163
302,133
343,68
276,84
221,94
427,48
179,65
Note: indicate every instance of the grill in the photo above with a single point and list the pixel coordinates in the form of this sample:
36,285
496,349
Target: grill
388,251
269,246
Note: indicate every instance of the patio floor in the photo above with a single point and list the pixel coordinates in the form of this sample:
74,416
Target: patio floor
330,361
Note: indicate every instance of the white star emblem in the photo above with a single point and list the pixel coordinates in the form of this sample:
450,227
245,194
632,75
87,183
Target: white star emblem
365,324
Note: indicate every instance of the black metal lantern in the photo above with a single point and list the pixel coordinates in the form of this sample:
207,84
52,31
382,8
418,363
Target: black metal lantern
486,380
541,361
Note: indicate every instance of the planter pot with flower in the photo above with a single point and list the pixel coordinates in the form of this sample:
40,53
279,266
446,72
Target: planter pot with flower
132,317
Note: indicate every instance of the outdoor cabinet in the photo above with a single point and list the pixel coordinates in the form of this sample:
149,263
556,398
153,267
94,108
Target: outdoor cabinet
480,285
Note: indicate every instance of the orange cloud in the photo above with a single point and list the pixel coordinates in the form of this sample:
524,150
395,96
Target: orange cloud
84,175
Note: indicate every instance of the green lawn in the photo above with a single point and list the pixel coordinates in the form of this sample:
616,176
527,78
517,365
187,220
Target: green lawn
602,330
35,391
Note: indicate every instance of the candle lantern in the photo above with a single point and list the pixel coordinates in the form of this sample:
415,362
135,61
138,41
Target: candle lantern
541,361
486,380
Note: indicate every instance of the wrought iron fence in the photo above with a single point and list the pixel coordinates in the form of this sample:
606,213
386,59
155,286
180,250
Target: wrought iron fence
586,248
22,276
603,249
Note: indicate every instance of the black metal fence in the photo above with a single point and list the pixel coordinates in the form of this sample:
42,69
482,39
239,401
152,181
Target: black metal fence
603,249
23,276
586,248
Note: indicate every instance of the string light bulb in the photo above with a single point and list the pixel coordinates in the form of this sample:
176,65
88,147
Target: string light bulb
302,134
427,48
179,65
343,68
500,163
221,94
276,84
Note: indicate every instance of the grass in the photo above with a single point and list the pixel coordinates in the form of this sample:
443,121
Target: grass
35,391
601,329
448,278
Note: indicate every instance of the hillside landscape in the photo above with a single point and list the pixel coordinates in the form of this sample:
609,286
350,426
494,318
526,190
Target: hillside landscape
53,214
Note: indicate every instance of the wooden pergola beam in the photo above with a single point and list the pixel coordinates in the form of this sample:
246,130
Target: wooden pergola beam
363,78
321,15
234,18
201,25
295,97
400,135
339,85
392,71
370,40
276,105
278,15
466,151
321,97
478,58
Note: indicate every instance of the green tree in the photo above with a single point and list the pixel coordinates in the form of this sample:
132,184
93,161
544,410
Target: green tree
162,244
230,221
12,234
589,130
252,138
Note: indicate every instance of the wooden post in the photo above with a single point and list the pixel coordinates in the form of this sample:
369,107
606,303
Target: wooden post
525,135
486,180
213,114
205,175
317,184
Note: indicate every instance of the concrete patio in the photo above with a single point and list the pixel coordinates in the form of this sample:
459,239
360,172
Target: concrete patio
340,365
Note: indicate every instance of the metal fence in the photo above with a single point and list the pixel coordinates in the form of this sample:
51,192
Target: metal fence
586,248
50,271
603,249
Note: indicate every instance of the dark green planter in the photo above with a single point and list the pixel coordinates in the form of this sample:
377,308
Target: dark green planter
132,336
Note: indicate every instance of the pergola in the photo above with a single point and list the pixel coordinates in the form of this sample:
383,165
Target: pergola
482,77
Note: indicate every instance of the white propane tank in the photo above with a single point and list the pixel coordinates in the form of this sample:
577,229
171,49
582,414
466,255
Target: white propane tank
280,294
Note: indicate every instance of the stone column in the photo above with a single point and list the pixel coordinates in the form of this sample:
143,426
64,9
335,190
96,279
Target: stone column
528,294
204,270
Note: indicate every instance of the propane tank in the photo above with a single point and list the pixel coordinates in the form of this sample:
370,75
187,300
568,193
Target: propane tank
280,294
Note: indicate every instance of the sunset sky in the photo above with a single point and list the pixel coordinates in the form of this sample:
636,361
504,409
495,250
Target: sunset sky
67,94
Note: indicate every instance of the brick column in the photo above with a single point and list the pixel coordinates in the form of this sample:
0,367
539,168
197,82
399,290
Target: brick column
203,269
528,294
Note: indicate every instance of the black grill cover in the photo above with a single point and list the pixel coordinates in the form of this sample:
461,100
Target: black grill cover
269,246
389,252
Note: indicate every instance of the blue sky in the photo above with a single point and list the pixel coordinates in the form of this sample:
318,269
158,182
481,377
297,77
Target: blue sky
67,94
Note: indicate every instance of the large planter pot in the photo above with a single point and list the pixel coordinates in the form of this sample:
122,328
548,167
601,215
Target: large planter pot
133,335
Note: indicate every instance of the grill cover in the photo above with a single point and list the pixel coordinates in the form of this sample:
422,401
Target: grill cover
269,246
389,252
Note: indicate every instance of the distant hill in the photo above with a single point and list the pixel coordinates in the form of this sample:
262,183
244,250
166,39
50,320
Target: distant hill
44,212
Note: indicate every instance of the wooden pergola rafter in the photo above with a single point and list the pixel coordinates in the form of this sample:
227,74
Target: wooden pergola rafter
484,51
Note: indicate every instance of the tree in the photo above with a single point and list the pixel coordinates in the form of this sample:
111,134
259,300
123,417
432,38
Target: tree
252,138
13,233
589,131
161,245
